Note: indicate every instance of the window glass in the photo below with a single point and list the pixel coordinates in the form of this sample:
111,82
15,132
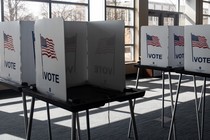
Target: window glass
206,12
35,9
121,3
129,36
123,10
76,1
120,14
129,53
206,19
165,5
206,8
70,12
168,21
16,10
129,39
153,20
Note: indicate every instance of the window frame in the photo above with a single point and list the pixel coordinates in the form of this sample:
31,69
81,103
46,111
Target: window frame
132,27
205,15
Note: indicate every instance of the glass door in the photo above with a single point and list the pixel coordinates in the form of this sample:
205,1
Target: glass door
157,17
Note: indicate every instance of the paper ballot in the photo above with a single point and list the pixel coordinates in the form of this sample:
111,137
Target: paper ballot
70,53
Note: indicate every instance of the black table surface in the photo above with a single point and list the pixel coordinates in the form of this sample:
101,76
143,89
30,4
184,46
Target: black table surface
183,71
86,97
13,85
170,69
166,69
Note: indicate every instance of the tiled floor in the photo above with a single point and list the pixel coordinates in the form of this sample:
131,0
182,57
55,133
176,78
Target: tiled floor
110,122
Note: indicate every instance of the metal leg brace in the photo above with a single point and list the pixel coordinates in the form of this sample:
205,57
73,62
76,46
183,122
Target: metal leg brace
28,136
49,123
174,110
196,108
172,102
133,120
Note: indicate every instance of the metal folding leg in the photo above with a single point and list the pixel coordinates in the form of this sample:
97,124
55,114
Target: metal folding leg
172,102
78,127
163,92
26,116
49,123
196,108
73,128
130,123
174,109
88,124
133,120
199,105
134,102
137,78
25,112
203,109
28,135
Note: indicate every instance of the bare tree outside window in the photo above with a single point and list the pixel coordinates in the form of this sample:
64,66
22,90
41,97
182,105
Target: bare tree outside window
67,11
16,10
32,10
122,10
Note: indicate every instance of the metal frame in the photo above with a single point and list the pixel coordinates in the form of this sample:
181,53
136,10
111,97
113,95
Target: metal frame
200,121
75,128
163,92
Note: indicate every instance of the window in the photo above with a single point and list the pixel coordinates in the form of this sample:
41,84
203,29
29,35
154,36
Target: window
164,5
39,9
123,10
69,12
206,12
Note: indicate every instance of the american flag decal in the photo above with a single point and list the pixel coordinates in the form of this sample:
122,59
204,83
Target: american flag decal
47,47
8,42
199,41
178,40
153,41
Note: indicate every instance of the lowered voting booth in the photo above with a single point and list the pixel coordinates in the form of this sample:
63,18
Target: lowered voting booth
17,51
70,54
79,66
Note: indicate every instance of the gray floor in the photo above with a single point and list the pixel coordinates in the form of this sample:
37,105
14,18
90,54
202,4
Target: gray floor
110,122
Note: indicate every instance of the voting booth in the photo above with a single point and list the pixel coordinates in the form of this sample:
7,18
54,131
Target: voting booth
17,51
162,46
197,49
70,53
